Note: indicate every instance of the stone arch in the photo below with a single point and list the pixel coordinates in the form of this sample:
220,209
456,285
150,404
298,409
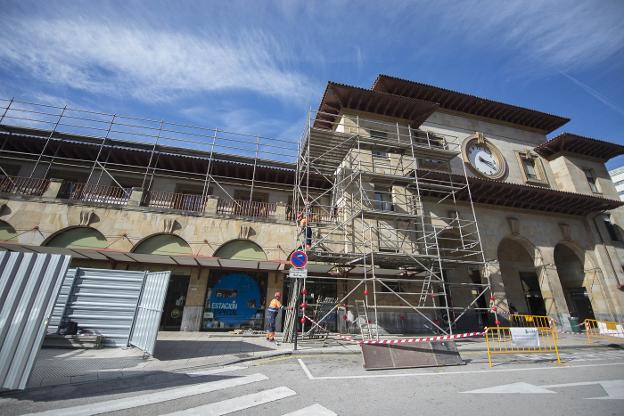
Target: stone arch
77,237
7,232
241,250
580,280
163,244
521,271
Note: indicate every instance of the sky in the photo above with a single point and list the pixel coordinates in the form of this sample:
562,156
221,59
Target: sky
259,66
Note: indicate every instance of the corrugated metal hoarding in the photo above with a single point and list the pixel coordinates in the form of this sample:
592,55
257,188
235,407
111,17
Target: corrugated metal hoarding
103,302
29,286
61,301
149,311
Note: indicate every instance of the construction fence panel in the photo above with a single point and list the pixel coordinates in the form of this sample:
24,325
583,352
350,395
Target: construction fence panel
149,311
104,302
29,286
604,329
521,340
61,301
538,321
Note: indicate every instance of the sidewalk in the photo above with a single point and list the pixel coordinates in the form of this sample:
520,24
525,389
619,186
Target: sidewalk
178,351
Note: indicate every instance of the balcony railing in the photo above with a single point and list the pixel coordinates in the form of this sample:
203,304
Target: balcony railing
317,215
172,200
246,208
99,194
23,186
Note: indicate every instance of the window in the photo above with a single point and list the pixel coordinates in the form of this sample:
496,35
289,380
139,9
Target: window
532,168
434,164
383,199
591,180
377,134
378,154
611,228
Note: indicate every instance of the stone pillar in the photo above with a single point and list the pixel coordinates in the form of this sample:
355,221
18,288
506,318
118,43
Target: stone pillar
552,290
194,305
54,186
280,211
211,205
136,195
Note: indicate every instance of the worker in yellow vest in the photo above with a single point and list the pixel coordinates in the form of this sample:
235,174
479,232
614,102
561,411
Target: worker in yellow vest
274,307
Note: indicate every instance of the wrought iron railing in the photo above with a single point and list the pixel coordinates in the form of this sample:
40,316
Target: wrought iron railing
23,186
99,194
246,208
173,200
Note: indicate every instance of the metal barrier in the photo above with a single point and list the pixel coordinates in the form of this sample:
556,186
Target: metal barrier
603,329
533,321
522,339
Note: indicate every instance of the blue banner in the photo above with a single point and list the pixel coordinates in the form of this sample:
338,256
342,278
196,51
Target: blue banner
235,299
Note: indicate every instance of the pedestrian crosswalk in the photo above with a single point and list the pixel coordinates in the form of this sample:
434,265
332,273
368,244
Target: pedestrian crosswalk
216,408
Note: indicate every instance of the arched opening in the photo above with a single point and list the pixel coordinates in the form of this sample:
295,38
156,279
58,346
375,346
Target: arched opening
7,232
164,245
236,296
78,237
520,277
241,250
572,276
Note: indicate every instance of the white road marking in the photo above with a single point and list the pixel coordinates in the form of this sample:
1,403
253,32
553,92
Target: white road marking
513,388
151,398
314,410
613,388
509,370
238,403
211,371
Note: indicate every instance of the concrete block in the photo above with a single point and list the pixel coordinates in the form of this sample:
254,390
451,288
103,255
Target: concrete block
211,204
54,186
136,195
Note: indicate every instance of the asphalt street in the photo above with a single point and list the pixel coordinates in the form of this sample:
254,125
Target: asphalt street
589,381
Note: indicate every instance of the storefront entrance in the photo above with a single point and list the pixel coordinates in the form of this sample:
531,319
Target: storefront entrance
235,300
174,303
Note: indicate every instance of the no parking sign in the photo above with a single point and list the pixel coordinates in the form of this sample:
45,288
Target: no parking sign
299,259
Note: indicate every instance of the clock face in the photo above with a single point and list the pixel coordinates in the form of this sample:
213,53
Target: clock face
483,159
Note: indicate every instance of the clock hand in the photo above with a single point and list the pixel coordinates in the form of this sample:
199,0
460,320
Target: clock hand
487,162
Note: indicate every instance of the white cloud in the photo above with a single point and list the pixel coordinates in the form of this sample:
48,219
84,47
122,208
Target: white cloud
542,34
148,64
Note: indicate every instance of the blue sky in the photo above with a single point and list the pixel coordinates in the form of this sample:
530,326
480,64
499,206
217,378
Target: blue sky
254,66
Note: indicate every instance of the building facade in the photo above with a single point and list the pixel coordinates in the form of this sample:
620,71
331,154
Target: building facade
617,176
220,209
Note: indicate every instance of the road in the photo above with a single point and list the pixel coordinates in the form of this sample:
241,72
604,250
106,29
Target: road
590,381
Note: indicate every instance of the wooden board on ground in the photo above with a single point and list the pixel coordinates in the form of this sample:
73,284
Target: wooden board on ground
410,355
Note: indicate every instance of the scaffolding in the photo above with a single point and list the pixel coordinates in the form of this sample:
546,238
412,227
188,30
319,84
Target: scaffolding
390,221
112,148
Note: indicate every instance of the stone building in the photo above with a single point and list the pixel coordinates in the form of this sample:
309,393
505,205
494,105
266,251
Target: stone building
218,208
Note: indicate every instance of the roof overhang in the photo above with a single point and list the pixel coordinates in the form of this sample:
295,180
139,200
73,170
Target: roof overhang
470,104
338,97
521,196
580,145
170,260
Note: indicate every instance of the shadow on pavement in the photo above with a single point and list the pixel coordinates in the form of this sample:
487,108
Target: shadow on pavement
177,350
132,382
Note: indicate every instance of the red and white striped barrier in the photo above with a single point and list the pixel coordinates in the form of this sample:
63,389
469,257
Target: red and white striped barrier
424,339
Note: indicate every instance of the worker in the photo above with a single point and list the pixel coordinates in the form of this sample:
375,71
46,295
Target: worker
274,307
307,230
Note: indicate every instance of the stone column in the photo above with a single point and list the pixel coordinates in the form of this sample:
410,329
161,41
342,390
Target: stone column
280,211
194,305
552,290
54,186
136,195
211,205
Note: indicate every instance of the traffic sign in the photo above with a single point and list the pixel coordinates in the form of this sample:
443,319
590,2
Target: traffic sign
298,273
299,259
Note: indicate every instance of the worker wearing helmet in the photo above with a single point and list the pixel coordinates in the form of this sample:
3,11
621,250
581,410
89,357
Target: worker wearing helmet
274,307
